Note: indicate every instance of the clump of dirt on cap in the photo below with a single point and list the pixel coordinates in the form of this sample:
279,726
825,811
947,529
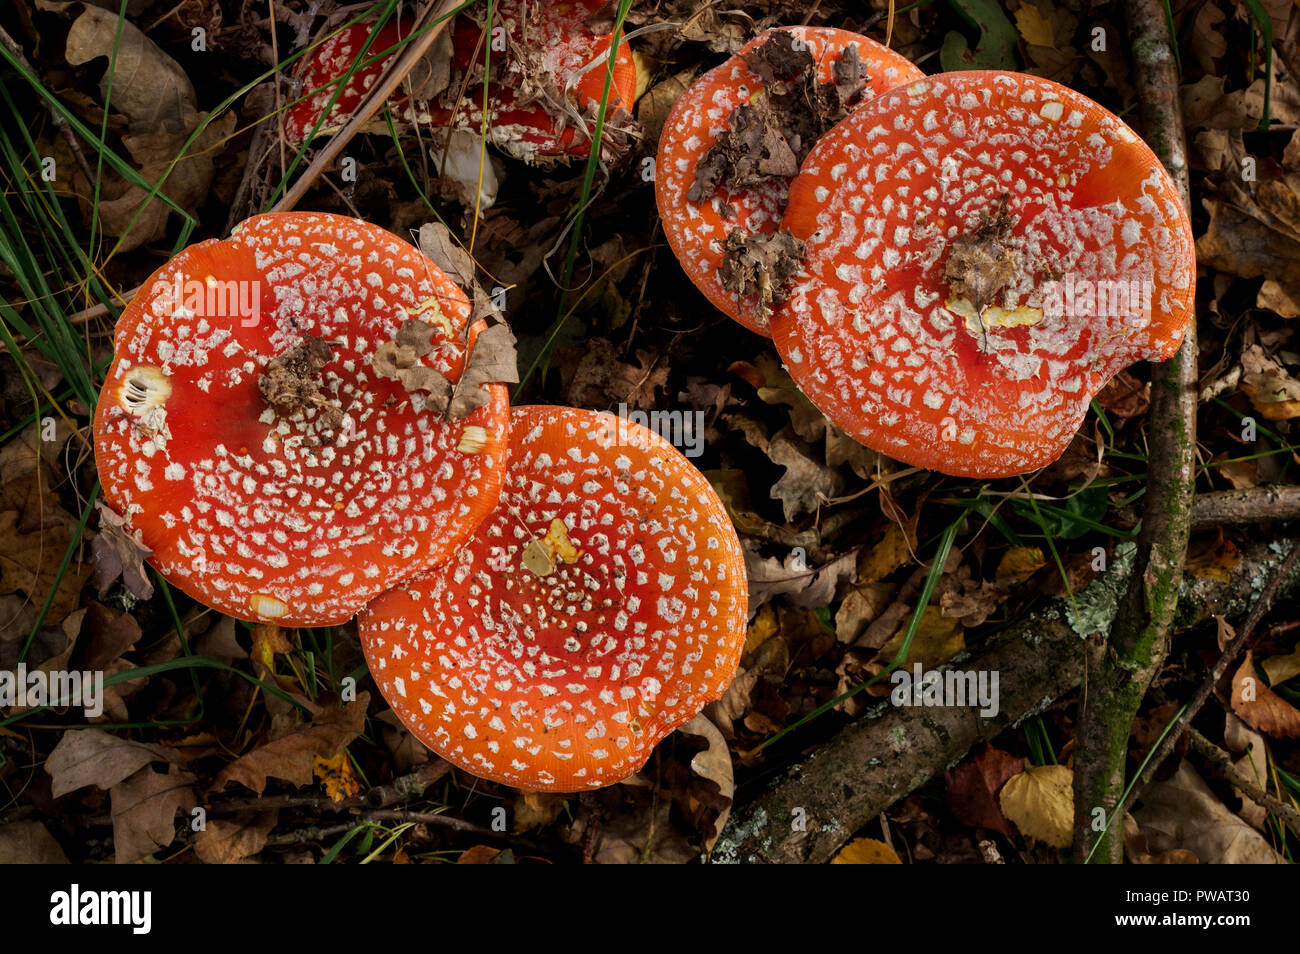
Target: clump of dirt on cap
767,139
982,262
291,383
762,263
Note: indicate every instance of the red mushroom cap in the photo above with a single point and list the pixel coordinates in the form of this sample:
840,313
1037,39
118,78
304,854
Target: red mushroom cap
984,250
697,230
526,120
600,606
245,432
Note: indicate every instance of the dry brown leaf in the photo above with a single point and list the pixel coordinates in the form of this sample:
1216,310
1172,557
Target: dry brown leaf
1182,812
805,586
478,855
1275,394
1259,706
1281,668
144,810
537,809
95,757
291,756
972,788
1040,802
806,484
29,843
492,361
1138,852
116,553
714,765
228,841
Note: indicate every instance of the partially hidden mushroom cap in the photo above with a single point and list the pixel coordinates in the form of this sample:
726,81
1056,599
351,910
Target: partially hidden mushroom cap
246,431
543,87
600,606
984,250
724,166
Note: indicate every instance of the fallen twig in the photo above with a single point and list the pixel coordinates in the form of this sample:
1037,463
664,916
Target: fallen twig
1221,762
820,803
1121,667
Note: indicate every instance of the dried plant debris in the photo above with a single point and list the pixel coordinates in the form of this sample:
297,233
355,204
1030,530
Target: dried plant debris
292,383
765,262
399,360
981,262
768,138
117,553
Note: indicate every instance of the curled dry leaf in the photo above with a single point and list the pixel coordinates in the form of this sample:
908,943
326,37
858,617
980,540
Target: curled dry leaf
1275,394
1138,852
292,756
808,587
714,765
144,809
95,757
1259,706
115,553
228,841
29,843
1040,802
1182,812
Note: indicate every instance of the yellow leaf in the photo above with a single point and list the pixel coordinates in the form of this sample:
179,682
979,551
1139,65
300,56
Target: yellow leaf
1040,802
764,626
1035,29
557,539
866,851
1281,668
1019,564
885,557
938,638
336,776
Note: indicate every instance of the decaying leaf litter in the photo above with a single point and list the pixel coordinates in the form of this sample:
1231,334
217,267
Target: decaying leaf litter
840,541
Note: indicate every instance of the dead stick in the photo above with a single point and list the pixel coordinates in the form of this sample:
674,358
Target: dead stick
1121,667
816,805
1220,668
1221,762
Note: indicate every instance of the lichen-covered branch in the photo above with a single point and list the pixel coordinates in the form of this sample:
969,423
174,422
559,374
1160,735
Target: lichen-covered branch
818,804
1121,667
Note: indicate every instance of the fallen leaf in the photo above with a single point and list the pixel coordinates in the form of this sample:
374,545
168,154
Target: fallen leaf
228,841
809,587
714,765
866,851
1182,812
492,361
292,756
1275,394
115,553
29,843
537,809
971,788
478,855
1034,28
336,776
95,757
1040,802
1259,706
1138,852
1281,668
144,809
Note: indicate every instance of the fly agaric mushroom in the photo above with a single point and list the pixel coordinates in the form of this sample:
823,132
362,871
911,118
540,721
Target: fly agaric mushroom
984,250
542,90
249,432
600,606
733,141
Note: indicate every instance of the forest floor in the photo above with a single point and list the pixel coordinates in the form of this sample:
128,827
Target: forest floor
858,564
